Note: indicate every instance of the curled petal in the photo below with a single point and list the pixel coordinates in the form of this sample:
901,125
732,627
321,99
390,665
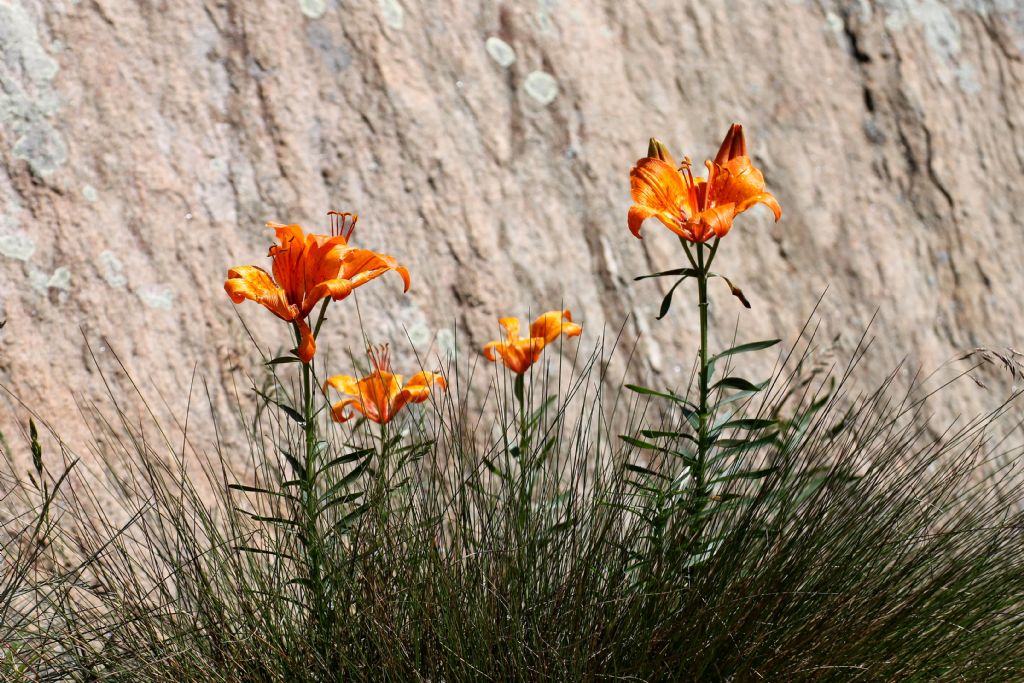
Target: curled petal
338,409
337,289
417,390
658,190
763,198
637,215
363,265
553,324
255,284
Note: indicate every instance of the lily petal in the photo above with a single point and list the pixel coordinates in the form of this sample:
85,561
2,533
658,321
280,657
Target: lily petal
517,355
511,327
338,409
552,324
417,390
718,219
658,190
255,284
343,383
363,265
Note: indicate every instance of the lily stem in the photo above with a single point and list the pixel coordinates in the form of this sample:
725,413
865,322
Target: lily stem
702,265
702,408
309,491
525,466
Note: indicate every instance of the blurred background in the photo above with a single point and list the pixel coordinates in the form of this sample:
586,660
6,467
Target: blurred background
487,145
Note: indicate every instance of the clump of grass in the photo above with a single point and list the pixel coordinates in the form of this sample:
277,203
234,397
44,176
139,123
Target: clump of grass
27,530
835,539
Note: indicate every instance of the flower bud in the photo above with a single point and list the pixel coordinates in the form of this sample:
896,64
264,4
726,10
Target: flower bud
657,150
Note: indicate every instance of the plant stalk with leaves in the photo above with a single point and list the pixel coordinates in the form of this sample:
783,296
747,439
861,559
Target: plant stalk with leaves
700,211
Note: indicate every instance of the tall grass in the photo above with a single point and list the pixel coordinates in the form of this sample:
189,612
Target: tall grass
840,540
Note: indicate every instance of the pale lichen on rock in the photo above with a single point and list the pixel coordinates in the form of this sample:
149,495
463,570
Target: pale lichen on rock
393,13
27,96
541,86
500,51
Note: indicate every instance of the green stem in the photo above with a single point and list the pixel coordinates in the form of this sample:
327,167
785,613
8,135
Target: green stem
704,418
309,489
321,317
525,466
382,471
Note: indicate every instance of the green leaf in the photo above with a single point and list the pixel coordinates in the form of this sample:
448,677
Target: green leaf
656,434
748,474
519,388
491,467
345,523
671,397
354,474
685,272
689,459
347,458
263,551
632,441
640,469
738,396
748,424
746,348
745,444
273,520
666,303
281,360
257,489
709,370
250,489
339,500
299,468
738,383
288,410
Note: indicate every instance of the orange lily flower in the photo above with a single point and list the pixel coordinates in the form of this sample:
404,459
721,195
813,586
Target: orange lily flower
698,209
380,395
519,354
306,269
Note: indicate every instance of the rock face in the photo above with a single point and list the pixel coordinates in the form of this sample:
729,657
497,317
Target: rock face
487,145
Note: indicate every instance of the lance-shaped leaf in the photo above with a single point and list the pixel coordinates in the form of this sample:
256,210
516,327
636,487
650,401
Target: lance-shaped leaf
684,272
666,303
746,474
347,458
746,348
671,397
737,383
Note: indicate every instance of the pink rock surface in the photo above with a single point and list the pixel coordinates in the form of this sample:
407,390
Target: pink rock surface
487,146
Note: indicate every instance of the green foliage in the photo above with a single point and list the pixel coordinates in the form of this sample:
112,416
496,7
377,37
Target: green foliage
830,538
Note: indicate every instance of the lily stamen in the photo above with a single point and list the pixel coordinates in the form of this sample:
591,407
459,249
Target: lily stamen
343,223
